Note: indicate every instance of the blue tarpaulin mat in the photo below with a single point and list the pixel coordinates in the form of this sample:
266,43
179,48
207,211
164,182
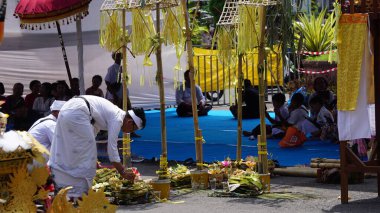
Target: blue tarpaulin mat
219,130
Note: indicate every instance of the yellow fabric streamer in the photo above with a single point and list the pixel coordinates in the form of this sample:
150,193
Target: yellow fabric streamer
262,152
200,138
249,28
142,80
371,79
202,165
129,79
352,36
147,61
111,31
208,67
142,31
127,140
226,45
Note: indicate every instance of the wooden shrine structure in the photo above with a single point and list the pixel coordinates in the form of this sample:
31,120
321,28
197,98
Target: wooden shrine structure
349,162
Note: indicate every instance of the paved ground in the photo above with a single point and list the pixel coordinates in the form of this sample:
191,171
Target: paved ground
316,198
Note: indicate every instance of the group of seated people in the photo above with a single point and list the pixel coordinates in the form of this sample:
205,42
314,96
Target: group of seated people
290,119
23,112
293,123
305,116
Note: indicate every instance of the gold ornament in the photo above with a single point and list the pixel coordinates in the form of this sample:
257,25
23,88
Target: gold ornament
22,188
96,202
60,203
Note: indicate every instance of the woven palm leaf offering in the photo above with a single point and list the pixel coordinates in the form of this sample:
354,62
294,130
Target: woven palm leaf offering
121,191
241,184
180,176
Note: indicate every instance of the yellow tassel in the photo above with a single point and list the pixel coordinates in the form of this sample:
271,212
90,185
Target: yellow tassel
226,45
248,29
147,61
111,31
173,24
142,31
129,82
142,80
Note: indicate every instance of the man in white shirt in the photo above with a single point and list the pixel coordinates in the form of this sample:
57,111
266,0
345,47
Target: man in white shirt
43,129
73,154
183,99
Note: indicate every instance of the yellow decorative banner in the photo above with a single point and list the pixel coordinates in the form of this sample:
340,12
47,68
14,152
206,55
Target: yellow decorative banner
352,38
212,74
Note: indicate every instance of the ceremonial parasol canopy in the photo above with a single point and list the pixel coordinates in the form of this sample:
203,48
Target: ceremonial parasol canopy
39,14
3,7
33,13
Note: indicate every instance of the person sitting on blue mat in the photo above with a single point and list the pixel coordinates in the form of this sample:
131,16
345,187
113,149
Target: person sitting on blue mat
251,99
281,114
183,99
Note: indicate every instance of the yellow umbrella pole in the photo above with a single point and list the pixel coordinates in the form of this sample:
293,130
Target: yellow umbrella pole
262,141
126,136
239,107
197,131
160,80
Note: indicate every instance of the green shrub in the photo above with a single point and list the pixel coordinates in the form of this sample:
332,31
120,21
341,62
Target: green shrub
318,32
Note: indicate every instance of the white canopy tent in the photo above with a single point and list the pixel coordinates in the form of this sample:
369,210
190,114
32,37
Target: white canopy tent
27,55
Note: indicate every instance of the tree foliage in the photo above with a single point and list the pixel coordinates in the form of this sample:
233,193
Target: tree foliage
216,8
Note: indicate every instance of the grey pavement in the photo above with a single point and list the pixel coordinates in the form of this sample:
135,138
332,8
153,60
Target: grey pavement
316,197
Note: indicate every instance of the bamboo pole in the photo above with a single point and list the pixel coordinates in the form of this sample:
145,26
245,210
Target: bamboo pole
325,165
296,172
197,131
262,142
324,160
127,162
239,107
160,80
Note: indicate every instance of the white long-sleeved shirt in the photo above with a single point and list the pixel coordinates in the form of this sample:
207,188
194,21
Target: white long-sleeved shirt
43,130
73,149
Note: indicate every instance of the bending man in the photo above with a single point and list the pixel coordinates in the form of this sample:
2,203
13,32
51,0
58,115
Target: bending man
73,152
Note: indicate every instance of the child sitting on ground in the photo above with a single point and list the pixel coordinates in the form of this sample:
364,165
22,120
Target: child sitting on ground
281,114
297,115
321,120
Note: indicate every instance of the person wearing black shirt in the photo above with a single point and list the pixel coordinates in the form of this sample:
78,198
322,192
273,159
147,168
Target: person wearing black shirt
251,99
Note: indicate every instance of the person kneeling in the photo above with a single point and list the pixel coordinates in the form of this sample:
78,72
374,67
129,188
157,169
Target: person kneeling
281,114
321,123
183,99
297,114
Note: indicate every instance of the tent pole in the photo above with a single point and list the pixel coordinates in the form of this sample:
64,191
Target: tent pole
160,79
197,131
64,51
80,55
239,107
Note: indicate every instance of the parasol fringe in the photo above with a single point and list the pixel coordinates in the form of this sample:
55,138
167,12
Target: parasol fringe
50,22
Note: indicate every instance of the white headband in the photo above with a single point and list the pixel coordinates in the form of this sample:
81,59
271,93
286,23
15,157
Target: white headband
135,119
